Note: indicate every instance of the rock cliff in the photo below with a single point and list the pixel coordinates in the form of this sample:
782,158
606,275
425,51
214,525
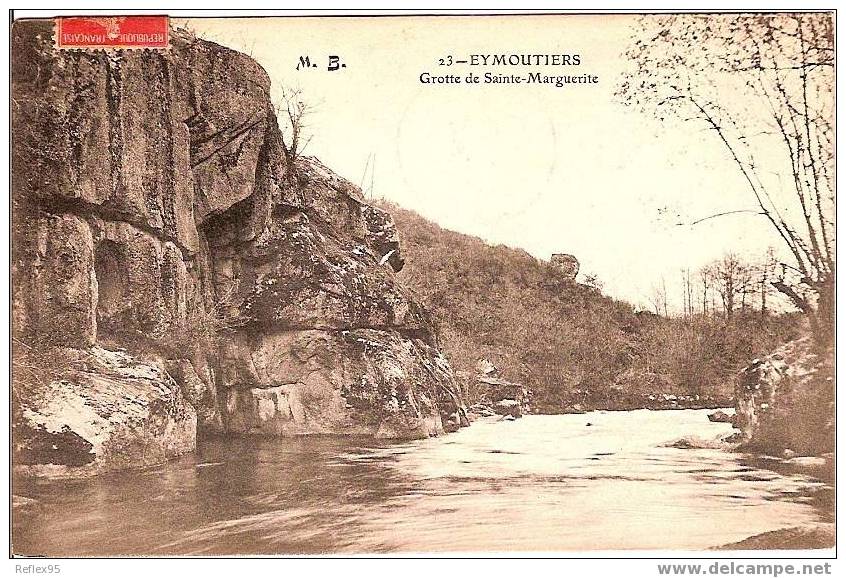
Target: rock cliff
785,401
198,281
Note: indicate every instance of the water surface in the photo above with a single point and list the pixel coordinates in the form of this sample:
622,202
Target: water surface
539,483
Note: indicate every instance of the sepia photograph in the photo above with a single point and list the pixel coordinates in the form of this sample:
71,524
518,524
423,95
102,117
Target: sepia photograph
399,284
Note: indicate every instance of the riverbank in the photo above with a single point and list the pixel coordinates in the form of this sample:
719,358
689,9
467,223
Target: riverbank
815,537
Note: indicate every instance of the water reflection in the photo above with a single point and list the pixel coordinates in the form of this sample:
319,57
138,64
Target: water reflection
540,483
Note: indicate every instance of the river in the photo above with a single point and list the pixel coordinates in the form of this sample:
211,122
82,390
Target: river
595,481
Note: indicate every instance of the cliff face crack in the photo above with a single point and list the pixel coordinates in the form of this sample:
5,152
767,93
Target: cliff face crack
169,195
84,209
113,100
229,136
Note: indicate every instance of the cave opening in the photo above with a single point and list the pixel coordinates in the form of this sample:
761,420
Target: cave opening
228,226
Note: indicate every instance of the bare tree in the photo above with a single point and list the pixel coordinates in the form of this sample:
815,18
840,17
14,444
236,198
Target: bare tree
766,275
705,275
746,286
687,293
659,298
763,83
727,274
292,113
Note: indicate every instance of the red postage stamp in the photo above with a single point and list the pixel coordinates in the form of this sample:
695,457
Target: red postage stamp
106,32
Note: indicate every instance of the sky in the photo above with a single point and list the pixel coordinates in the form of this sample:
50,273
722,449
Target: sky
545,169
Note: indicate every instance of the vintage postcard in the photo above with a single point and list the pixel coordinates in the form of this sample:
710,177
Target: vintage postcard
423,284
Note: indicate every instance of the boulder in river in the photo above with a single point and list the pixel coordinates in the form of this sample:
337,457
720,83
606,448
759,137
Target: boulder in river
508,407
697,442
504,397
113,411
480,410
720,416
786,400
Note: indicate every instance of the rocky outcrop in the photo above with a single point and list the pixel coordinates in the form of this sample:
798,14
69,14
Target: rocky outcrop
383,236
361,381
111,413
567,264
785,401
154,212
498,396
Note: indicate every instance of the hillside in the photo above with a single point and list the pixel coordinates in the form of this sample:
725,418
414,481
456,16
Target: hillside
564,340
